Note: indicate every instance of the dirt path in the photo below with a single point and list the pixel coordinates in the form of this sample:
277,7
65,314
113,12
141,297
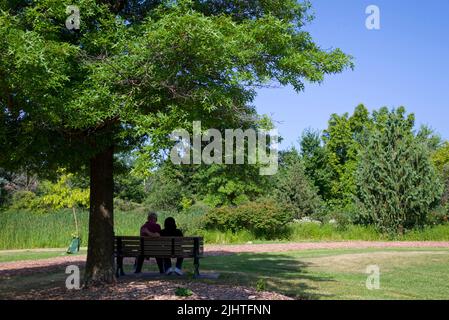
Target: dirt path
284,247
12,268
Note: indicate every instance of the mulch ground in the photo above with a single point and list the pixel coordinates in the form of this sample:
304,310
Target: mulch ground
150,290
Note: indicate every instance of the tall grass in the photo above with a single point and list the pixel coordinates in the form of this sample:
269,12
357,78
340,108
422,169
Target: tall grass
329,232
23,230
26,230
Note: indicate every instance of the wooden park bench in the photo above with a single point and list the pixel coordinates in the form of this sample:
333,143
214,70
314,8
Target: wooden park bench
160,247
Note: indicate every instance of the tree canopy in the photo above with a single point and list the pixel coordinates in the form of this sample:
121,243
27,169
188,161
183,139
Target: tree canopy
120,79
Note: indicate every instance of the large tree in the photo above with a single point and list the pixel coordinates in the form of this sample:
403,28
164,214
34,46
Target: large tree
343,139
134,71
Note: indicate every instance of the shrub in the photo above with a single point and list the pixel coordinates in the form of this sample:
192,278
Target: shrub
191,220
129,188
344,216
126,206
4,194
183,292
263,218
164,198
186,203
439,215
23,200
261,285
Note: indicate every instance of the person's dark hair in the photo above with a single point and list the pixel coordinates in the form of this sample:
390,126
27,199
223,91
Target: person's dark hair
170,224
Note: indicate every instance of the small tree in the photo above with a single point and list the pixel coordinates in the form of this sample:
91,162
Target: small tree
396,180
293,188
63,195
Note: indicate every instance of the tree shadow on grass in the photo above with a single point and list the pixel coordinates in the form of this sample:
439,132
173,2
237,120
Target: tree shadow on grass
38,269
281,272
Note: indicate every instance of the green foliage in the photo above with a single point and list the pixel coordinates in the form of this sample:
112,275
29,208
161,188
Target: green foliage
397,183
438,216
183,292
51,196
353,213
261,285
127,206
263,217
316,162
230,184
62,194
172,187
430,137
445,198
441,157
343,139
23,200
133,73
441,161
129,188
293,189
191,219
4,194
167,188
186,203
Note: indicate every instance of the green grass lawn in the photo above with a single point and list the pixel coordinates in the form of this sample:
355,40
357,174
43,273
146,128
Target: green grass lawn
6,256
314,274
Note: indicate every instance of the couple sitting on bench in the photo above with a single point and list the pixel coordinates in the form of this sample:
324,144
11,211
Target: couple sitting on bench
152,229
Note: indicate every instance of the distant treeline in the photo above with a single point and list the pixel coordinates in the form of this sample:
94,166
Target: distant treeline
366,168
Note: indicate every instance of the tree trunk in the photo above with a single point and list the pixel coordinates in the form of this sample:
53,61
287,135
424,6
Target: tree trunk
100,260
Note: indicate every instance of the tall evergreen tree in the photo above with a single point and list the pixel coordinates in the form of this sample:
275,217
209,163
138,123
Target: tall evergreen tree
316,162
293,189
397,182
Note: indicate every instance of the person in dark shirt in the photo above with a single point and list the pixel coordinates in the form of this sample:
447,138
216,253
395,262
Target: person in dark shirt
170,230
150,229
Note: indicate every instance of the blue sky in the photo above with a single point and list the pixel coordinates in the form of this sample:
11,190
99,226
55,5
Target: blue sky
406,63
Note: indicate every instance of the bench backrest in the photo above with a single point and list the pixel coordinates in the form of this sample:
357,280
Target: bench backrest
160,247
